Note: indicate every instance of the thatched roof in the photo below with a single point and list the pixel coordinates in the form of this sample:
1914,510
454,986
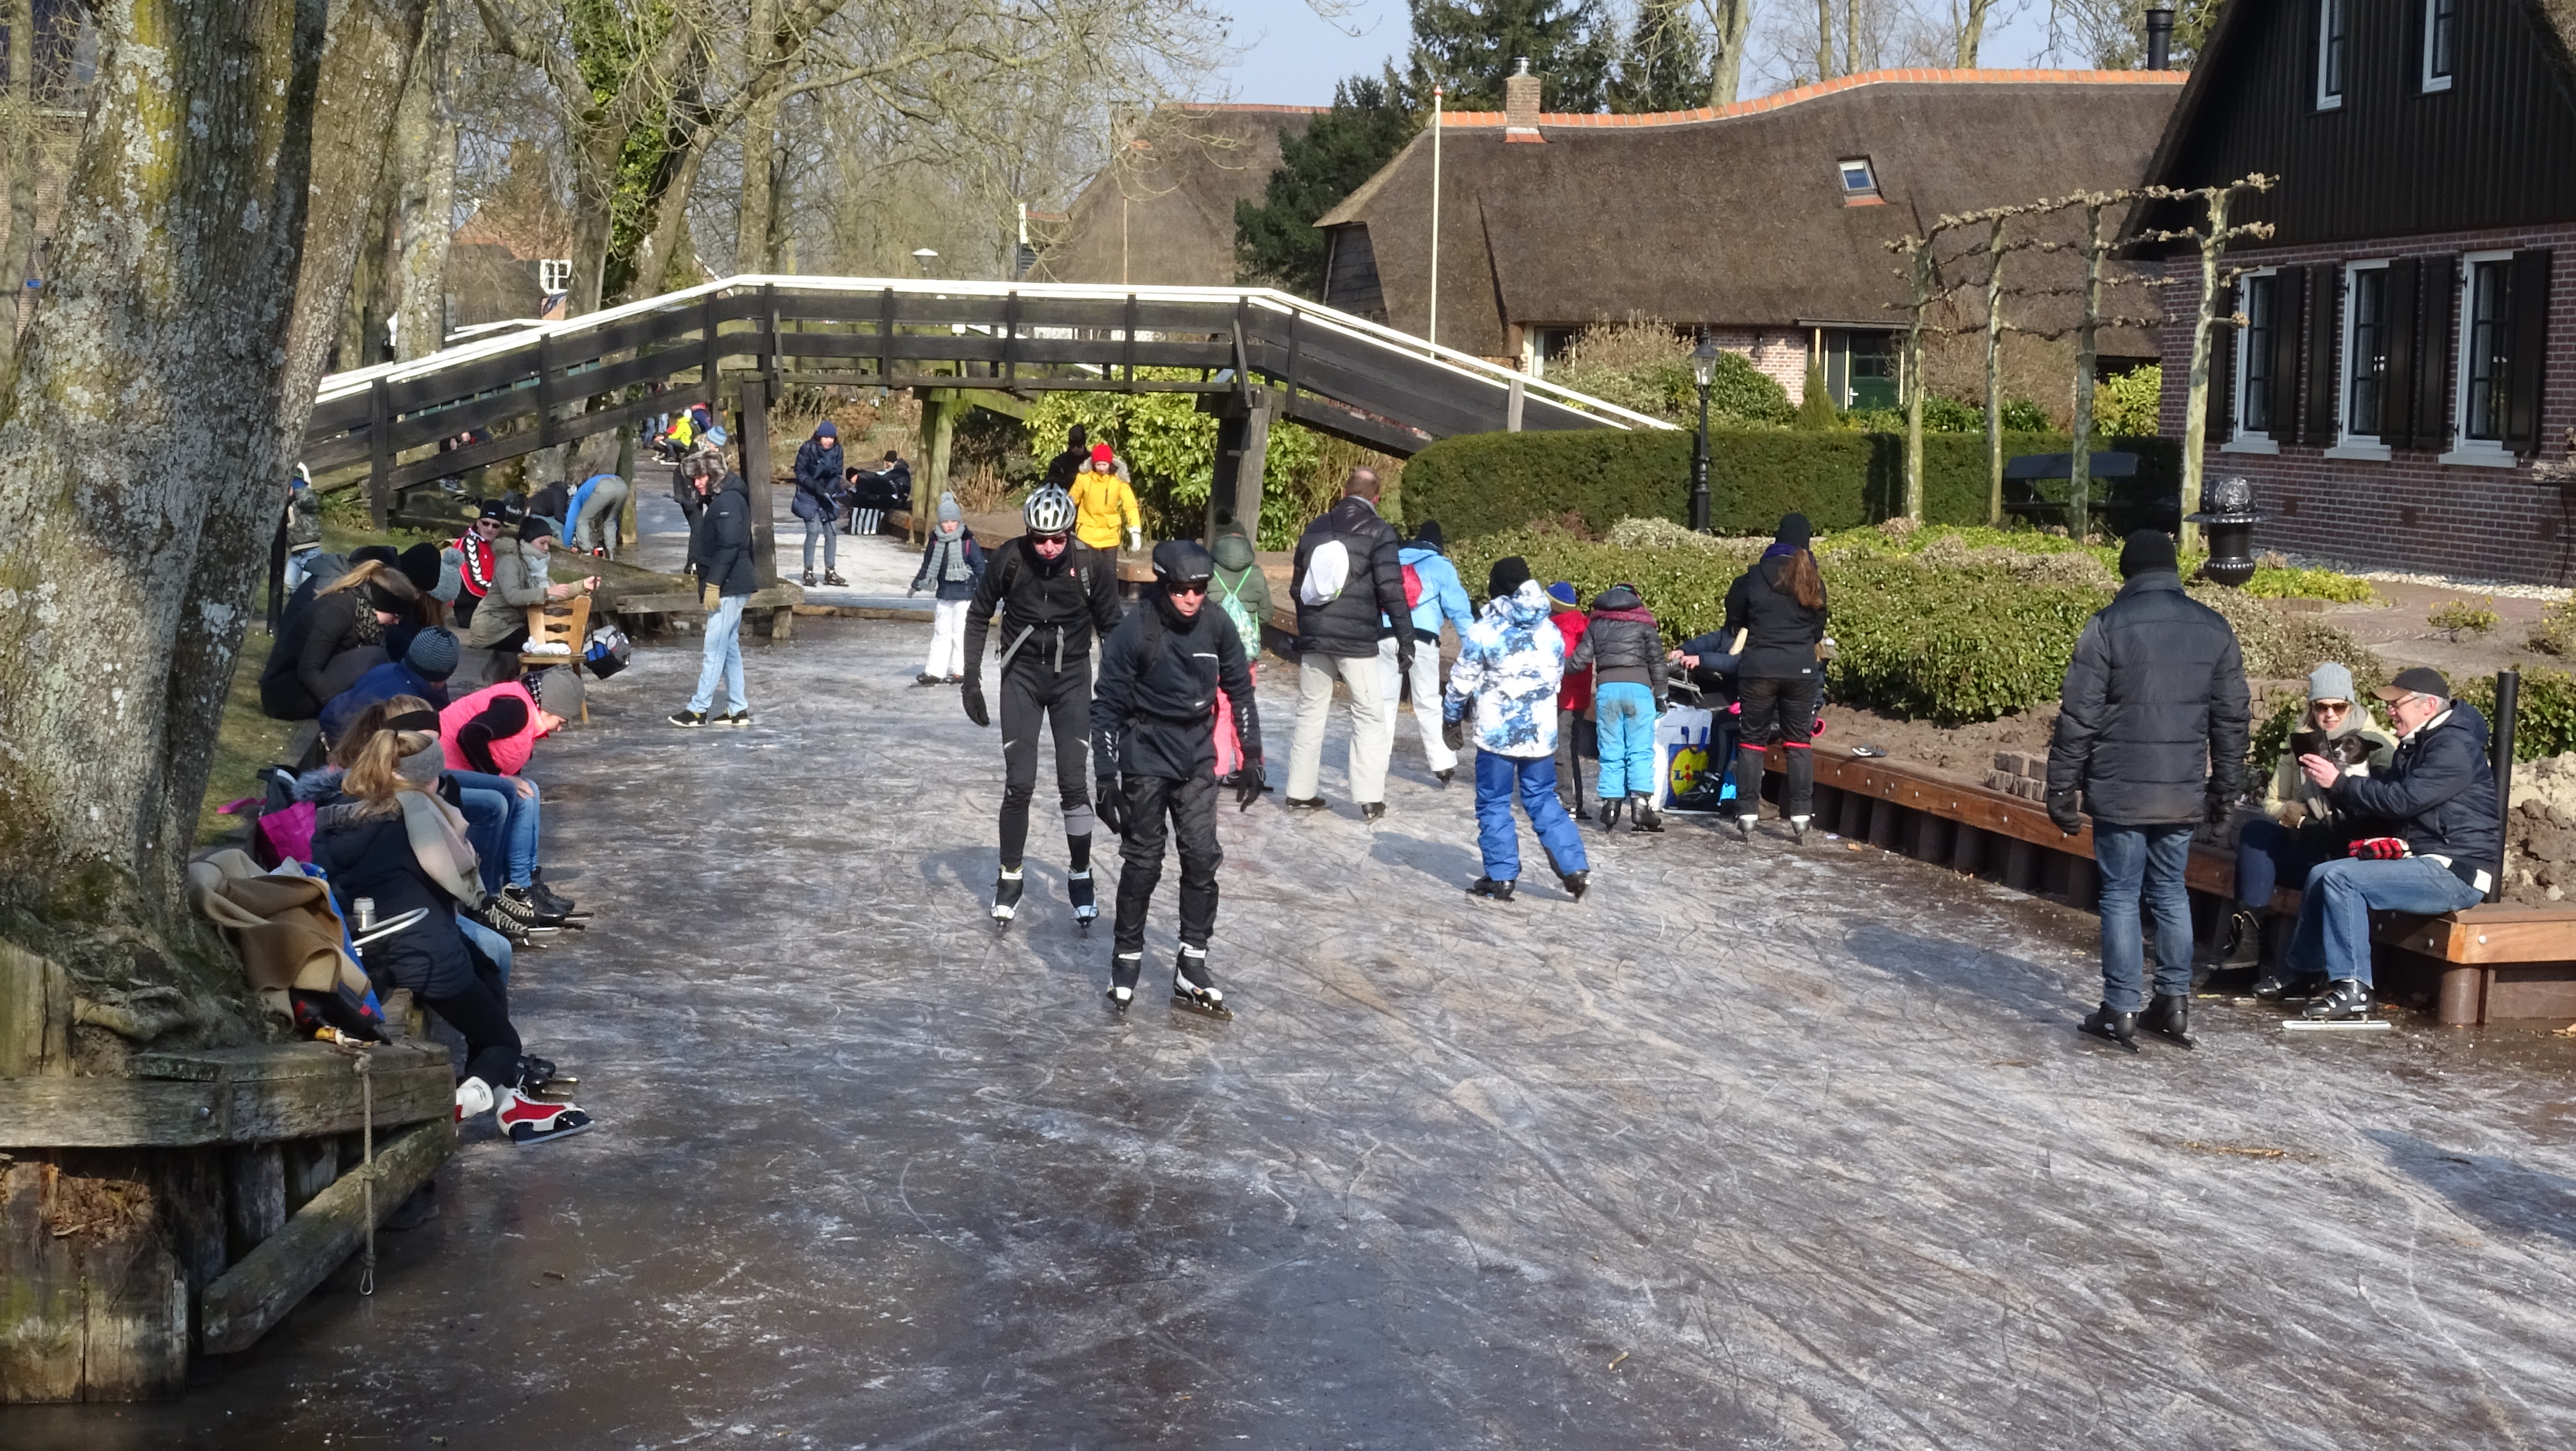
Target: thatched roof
1735,217
1163,212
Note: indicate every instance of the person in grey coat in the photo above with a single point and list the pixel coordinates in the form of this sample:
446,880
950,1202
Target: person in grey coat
2151,730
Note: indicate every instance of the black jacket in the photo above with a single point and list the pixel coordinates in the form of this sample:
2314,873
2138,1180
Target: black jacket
1049,608
309,634
2152,718
371,856
1153,709
1621,639
1780,633
819,481
721,544
2439,793
1350,624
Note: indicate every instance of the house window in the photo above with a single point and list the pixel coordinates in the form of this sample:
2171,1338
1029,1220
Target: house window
2254,355
2365,349
2331,17
2486,347
1859,181
2440,24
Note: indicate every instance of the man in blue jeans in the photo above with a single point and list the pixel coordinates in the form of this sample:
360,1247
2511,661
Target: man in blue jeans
2443,846
726,577
2151,730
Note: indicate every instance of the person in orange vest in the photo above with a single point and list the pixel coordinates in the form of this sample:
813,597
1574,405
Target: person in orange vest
1104,504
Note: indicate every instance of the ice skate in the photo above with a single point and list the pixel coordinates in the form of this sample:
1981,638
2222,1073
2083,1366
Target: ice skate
1642,815
833,578
1610,812
1124,969
809,579
1798,830
1744,827
1193,989
1488,887
539,1075
535,1121
1576,883
2169,1017
1006,896
2111,1027
2272,987
1372,811
1086,908
925,678
2344,998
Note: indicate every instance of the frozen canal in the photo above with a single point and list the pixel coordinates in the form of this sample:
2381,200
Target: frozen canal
1754,1147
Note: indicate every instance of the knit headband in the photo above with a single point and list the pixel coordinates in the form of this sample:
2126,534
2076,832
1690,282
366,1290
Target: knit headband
413,720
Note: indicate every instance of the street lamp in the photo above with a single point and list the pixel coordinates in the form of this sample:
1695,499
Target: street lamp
922,257
1703,370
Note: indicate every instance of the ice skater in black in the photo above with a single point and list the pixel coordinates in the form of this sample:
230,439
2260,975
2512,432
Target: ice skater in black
1053,593
1154,741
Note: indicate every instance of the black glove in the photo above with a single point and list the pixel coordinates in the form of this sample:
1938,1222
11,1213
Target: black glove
1453,733
974,697
2061,809
1404,658
1249,783
1109,803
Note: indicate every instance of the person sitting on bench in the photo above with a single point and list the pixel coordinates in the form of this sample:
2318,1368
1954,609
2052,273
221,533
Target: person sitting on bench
2300,826
2441,848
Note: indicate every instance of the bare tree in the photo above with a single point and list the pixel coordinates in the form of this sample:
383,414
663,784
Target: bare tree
426,132
1968,21
2211,239
142,441
1730,22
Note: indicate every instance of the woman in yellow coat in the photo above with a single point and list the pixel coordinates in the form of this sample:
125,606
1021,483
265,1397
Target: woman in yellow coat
1104,505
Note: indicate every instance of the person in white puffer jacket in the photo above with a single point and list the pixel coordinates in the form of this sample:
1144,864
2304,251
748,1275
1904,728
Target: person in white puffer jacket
1510,664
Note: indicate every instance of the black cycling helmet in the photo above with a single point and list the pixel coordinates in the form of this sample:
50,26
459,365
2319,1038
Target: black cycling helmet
1183,562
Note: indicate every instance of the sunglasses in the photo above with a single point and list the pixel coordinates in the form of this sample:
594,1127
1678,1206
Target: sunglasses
1049,541
1194,587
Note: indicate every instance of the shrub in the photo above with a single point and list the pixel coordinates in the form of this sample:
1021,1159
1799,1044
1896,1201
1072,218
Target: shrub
2458,617
2127,404
1483,483
1170,450
2023,416
1815,410
2285,582
2544,722
1646,367
2556,632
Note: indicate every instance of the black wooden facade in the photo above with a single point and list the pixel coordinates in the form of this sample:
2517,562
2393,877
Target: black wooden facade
2495,148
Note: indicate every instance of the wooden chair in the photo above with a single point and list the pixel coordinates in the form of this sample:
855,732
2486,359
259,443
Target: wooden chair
567,621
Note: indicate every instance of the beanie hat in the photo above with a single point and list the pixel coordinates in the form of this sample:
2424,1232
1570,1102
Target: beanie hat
1795,531
825,429
1429,536
2147,551
1100,453
2330,681
536,527
1563,593
1509,574
948,513
451,576
1076,437
381,553
420,565
383,594
433,654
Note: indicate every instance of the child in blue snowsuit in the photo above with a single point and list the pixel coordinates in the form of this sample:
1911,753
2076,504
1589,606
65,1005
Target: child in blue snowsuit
1510,663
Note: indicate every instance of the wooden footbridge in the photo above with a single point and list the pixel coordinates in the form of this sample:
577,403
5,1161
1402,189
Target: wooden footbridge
1253,354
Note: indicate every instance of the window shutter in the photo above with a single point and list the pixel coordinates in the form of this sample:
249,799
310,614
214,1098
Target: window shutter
2523,375
2288,332
2397,385
2325,284
2437,307
2220,401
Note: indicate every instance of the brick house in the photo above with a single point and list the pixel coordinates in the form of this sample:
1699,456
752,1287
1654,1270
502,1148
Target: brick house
2392,393
1764,222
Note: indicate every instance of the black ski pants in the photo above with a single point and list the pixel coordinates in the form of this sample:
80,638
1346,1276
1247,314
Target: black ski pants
1161,810
1032,692
1779,709
480,1010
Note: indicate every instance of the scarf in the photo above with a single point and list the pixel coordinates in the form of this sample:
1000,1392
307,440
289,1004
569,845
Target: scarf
948,559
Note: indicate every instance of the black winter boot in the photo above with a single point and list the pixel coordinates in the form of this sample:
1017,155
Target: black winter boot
1641,810
1610,813
2169,1017
2111,1027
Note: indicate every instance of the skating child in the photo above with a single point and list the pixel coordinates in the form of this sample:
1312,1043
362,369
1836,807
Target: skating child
1510,665
951,564
1625,652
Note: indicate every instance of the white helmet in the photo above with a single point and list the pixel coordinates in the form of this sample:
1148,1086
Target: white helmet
1048,511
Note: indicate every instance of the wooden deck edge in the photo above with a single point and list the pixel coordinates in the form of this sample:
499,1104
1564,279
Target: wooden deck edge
241,1305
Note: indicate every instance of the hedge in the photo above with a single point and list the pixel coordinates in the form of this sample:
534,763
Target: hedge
1948,633
1484,483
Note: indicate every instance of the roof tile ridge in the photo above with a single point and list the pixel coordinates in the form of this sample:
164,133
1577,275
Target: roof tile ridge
1903,75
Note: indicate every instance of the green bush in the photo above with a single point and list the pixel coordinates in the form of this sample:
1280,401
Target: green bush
2310,584
2544,720
2128,404
1488,482
2555,634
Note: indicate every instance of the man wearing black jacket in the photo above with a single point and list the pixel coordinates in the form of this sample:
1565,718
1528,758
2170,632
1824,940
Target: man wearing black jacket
2151,729
721,545
2441,848
1053,593
1153,724
1349,583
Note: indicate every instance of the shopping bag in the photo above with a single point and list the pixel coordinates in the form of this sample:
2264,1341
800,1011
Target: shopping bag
1681,750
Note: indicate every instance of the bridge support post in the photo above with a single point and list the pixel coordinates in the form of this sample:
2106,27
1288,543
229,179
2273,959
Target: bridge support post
753,430
1242,453
939,408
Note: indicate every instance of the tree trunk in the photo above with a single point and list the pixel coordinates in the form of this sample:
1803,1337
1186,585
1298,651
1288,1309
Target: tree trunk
1972,31
2079,467
18,261
2195,418
1994,375
1824,40
141,449
753,220
1921,274
1730,21
425,136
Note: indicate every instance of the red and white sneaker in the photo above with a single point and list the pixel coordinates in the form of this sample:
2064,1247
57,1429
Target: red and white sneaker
473,1097
534,1121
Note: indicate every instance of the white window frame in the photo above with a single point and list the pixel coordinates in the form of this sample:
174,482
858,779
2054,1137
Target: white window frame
1868,169
2348,444
2479,452
2327,55
2440,82
2241,437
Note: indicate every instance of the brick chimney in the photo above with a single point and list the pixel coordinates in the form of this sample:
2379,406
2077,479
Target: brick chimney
1520,104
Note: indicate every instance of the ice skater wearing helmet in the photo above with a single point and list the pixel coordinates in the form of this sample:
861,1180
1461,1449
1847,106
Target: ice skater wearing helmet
1153,734
1053,593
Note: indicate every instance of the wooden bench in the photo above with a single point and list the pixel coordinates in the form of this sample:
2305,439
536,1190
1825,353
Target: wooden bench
2489,962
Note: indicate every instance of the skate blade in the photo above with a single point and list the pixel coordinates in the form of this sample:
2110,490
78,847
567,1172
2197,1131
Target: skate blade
1220,1013
2337,1025
2107,1038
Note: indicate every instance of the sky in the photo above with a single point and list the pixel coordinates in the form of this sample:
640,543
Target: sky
1292,57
